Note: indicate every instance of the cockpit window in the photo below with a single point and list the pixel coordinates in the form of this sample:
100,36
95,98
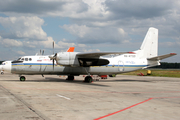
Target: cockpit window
18,59
22,59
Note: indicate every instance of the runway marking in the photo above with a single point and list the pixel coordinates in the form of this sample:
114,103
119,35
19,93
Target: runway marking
63,97
134,106
123,109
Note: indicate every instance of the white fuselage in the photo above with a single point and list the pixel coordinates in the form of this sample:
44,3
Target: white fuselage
43,65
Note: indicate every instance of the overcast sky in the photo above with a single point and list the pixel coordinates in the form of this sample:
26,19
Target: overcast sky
26,26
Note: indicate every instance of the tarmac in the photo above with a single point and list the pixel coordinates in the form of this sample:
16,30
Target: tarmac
119,98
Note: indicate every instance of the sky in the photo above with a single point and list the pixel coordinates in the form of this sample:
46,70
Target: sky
28,26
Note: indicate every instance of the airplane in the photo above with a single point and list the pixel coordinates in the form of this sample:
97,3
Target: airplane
72,63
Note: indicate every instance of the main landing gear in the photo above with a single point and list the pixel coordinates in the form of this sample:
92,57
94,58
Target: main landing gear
22,78
88,79
70,78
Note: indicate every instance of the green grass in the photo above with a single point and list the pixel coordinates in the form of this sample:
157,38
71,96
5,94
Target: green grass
154,72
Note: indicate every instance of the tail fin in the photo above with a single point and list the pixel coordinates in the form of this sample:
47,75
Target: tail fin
71,49
149,47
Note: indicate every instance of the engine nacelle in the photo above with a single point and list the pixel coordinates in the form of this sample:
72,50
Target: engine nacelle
67,59
70,59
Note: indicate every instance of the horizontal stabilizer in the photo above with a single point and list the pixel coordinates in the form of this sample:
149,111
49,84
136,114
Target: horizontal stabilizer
162,56
98,54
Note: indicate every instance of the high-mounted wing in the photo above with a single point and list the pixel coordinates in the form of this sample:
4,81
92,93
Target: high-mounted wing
93,58
162,56
98,54
83,59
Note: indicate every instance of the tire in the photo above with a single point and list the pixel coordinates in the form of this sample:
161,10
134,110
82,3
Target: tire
70,78
22,78
88,79
113,75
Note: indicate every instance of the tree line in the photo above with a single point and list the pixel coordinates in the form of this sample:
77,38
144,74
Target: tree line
165,65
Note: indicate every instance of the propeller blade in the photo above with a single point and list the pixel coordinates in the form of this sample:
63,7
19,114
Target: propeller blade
43,52
53,47
55,55
53,64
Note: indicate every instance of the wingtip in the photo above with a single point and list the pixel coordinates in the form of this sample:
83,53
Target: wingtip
132,52
173,53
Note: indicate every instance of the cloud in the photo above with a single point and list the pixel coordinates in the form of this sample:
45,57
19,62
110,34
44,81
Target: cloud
90,23
30,6
43,7
96,35
138,9
64,44
10,42
20,52
23,27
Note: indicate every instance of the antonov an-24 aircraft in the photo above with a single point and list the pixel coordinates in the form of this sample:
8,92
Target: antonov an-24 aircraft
89,63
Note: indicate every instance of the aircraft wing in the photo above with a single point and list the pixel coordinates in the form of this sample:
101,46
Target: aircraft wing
98,54
162,56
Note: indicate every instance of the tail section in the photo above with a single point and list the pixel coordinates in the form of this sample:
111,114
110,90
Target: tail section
149,47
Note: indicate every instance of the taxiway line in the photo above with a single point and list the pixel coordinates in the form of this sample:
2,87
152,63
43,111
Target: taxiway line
123,109
134,106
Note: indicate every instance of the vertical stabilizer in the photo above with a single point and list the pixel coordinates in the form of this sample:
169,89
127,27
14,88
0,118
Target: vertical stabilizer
149,47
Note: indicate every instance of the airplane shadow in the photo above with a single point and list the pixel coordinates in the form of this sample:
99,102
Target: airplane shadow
126,80
51,79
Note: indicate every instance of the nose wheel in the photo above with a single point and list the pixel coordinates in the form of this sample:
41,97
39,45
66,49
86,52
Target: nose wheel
22,78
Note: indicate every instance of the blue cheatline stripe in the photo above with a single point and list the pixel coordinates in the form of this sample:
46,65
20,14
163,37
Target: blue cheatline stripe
25,64
127,65
32,64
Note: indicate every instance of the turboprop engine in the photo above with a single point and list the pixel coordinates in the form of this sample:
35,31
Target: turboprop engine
72,59
65,58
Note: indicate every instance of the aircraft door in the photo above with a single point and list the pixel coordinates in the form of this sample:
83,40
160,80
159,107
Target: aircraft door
120,65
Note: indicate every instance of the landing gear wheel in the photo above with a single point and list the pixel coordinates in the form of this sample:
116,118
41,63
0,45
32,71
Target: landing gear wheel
88,79
22,78
70,78
113,75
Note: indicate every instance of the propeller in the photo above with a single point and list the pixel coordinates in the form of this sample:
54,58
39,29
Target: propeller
43,52
53,57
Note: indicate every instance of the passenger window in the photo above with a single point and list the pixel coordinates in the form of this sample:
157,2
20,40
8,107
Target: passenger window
30,59
26,59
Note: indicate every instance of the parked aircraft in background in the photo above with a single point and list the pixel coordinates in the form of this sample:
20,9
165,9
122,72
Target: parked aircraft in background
90,63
